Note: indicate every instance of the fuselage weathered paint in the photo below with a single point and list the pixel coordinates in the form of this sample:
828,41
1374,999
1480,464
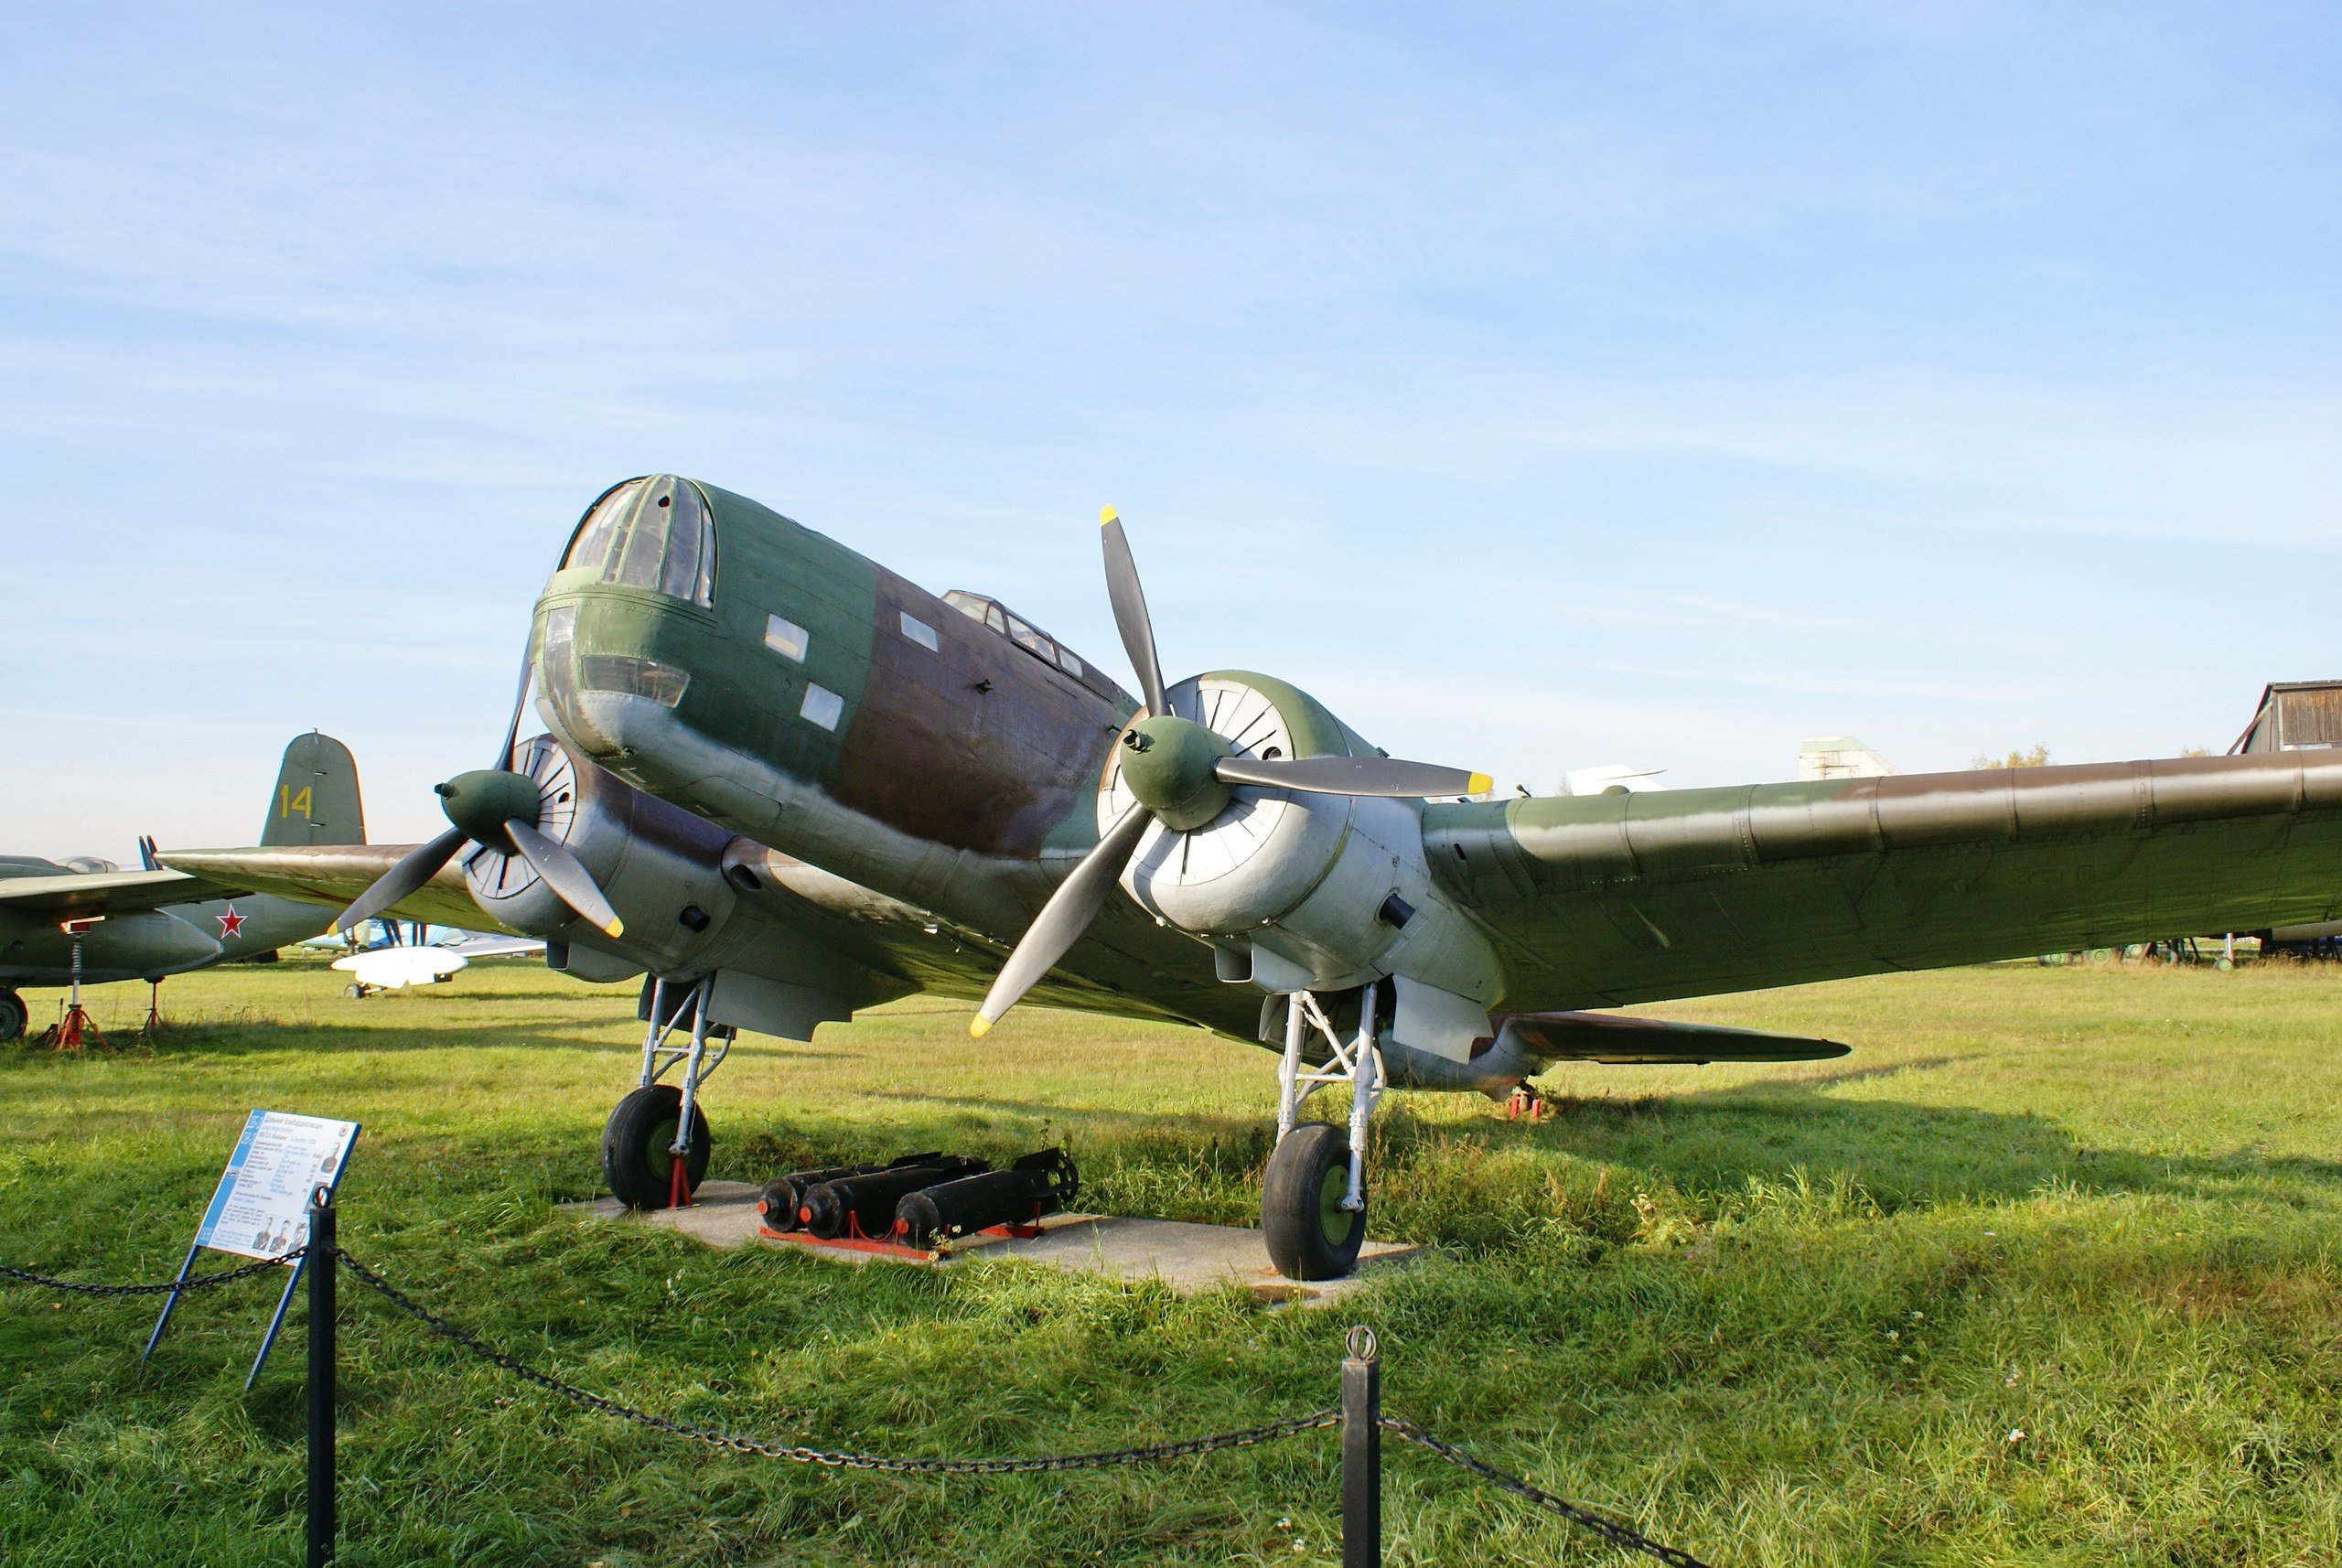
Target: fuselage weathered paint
961,778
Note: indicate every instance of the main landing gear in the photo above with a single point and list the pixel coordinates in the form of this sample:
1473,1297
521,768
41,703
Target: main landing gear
1313,1200
656,1143
12,1016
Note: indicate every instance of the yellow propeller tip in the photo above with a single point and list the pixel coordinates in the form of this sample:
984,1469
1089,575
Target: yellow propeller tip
1481,784
978,1026
615,930
1106,518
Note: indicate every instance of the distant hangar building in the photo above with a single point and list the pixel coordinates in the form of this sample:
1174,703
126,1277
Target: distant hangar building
2294,716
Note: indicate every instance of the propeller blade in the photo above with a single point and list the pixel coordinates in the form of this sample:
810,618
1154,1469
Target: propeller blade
565,874
520,702
1350,776
1130,612
1063,918
415,868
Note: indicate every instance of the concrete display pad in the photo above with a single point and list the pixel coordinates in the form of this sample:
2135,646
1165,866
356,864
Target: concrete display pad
1187,1258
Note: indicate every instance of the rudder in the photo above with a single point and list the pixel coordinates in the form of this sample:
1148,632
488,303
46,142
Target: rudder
315,798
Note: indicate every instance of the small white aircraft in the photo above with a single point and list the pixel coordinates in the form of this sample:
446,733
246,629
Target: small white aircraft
398,966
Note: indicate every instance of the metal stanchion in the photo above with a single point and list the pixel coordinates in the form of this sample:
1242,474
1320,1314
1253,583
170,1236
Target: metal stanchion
1361,1452
323,1257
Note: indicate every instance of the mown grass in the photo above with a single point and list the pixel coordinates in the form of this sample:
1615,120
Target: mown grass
1775,1316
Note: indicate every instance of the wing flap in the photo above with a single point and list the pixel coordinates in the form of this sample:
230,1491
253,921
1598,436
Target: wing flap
1620,1041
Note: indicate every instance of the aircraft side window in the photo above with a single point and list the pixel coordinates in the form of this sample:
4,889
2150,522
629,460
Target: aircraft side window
820,706
786,637
967,604
1066,658
992,618
918,631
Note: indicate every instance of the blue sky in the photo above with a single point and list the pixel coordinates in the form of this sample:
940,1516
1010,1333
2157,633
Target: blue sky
1541,386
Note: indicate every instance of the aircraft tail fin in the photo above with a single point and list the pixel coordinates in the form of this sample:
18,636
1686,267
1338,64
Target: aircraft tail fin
316,799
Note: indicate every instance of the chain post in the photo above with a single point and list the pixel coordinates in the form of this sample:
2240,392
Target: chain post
323,1257
1361,1451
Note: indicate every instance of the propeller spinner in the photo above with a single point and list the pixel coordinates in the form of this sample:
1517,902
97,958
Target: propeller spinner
499,809
1179,773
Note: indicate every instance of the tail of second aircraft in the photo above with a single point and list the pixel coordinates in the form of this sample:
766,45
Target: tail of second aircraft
316,799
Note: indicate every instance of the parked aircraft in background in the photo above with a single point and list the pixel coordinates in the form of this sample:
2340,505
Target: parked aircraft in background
395,965
784,783
1612,779
145,924
1824,756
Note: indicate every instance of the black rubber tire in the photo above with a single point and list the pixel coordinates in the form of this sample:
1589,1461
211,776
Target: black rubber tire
635,1144
1310,1236
12,1016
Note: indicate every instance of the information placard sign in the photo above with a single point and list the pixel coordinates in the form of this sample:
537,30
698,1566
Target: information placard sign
261,1207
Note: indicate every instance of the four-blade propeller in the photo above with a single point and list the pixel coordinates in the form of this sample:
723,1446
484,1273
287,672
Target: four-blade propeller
497,808
1180,774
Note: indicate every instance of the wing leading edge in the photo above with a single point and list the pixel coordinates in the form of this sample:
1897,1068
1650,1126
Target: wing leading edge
1609,899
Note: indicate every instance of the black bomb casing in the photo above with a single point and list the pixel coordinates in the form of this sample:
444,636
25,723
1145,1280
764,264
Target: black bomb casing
1044,1182
866,1203
784,1195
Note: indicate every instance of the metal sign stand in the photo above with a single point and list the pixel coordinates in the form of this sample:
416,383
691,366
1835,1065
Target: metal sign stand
324,1190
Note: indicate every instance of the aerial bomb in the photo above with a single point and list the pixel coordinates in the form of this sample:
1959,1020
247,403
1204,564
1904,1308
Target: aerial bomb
1037,1184
866,1203
784,1195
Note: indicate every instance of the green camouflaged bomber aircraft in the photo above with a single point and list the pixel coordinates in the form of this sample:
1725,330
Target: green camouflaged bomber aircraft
145,924
785,783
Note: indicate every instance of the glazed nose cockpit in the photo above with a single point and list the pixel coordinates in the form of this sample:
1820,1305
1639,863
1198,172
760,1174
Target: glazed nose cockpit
641,567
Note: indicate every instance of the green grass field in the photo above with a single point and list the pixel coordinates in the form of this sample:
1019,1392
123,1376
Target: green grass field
1773,1316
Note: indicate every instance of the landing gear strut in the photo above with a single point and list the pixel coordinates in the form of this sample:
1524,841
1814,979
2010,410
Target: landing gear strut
656,1143
1312,1198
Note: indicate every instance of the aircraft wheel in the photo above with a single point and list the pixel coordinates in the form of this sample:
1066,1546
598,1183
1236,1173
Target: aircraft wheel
636,1160
12,1016
1310,1235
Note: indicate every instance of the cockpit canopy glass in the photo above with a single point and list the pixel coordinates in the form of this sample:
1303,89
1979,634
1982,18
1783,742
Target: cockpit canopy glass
652,532
975,606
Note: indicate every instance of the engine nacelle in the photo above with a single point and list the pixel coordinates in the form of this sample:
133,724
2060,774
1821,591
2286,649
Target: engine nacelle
1316,892
662,867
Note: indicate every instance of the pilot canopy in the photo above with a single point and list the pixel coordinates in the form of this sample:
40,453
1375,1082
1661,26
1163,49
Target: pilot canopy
653,534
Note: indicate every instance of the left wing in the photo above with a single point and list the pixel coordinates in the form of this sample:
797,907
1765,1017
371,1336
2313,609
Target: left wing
77,896
1602,900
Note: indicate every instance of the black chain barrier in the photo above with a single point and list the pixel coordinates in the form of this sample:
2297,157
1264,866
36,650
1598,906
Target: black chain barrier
1610,1530
193,1281
734,1443
1615,1531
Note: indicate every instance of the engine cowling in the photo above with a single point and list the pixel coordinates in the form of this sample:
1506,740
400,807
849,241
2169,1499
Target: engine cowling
1304,891
662,867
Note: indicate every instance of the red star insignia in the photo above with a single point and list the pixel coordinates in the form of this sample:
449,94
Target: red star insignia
231,923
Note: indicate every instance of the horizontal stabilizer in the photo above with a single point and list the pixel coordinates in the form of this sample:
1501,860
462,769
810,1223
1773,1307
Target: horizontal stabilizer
1611,1038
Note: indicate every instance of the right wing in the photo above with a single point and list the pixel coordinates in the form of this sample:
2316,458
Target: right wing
1608,899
